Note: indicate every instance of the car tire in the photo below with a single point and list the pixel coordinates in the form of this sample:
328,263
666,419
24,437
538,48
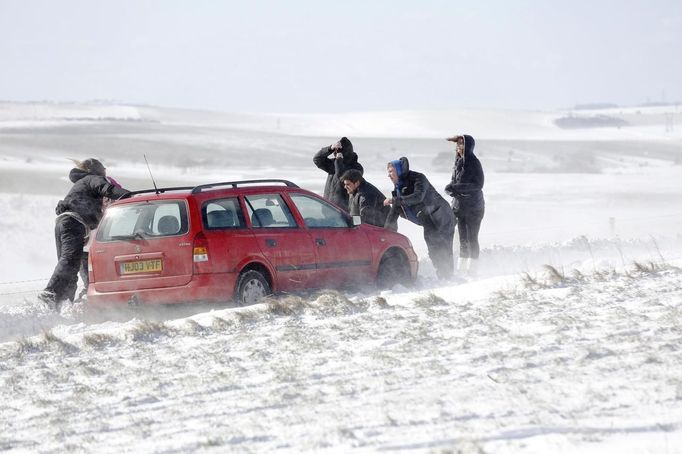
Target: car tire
393,269
251,288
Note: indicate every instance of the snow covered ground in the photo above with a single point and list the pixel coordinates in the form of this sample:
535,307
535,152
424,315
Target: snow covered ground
569,341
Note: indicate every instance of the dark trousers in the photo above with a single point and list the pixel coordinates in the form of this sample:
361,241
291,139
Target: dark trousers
439,244
83,272
468,225
69,237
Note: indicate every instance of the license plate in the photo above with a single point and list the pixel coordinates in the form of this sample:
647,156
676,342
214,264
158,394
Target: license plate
142,266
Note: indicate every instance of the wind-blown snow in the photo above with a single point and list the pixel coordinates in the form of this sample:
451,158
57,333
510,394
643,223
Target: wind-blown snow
569,341
534,365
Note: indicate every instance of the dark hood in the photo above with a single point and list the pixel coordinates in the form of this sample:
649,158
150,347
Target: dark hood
469,144
77,174
349,156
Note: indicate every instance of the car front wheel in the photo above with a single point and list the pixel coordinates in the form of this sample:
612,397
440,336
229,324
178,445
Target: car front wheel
252,287
393,269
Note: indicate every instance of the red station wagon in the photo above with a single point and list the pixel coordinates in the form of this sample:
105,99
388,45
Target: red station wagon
237,240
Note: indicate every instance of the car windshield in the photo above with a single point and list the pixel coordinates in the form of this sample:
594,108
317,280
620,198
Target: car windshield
144,220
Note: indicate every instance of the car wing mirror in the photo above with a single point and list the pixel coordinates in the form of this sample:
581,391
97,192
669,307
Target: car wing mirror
357,220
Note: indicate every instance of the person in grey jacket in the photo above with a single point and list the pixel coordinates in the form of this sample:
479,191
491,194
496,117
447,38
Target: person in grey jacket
415,199
335,160
365,200
468,203
77,214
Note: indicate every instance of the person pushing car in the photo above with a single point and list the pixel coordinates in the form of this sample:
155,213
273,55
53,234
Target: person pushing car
415,199
78,214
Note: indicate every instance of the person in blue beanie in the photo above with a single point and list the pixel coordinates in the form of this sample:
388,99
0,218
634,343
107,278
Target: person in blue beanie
416,200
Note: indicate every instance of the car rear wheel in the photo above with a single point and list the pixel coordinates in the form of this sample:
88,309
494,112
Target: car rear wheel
252,287
393,269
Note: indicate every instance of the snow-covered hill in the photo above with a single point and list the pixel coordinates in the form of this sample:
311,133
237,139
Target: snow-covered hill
630,123
571,362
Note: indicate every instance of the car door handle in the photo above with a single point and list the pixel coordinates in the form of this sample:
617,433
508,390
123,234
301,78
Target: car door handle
320,241
270,242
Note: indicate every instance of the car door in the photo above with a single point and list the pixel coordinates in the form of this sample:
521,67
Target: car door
282,241
344,253
228,238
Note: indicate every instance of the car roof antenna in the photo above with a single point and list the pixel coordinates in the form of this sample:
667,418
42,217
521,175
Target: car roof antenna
150,174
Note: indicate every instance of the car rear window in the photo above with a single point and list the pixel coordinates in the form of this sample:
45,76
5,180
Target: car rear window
144,220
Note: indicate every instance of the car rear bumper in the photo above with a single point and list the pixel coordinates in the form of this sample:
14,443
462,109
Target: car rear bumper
201,288
414,264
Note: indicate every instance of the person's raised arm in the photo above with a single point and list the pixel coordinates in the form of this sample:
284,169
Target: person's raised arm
322,161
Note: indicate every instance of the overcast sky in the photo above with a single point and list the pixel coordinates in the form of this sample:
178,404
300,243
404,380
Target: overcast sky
346,55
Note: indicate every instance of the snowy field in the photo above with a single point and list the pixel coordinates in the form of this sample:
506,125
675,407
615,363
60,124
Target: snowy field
570,340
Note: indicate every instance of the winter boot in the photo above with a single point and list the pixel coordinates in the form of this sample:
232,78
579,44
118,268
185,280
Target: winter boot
462,265
82,296
473,268
49,298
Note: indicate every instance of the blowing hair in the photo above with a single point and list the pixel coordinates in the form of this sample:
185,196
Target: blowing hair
90,165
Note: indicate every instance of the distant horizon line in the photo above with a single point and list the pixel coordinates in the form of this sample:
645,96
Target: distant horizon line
579,106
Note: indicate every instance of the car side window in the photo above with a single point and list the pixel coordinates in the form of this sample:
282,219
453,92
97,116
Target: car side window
268,211
222,214
317,213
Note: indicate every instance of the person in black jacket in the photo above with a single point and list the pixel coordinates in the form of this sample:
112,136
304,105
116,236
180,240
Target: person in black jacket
415,199
77,214
365,200
83,272
336,159
468,203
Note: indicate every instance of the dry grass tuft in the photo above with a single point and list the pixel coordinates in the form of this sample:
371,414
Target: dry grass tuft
430,300
286,306
554,275
578,276
49,338
531,282
603,275
646,268
98,340
381,302
194,327
333,302
148,330
508,294
26,345
221,324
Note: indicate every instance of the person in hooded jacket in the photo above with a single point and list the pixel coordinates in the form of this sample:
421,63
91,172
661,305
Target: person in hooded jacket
83,272
468,203
78,214
415,199
336,159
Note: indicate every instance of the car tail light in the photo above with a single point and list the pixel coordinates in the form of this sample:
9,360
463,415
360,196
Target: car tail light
91,274
200,254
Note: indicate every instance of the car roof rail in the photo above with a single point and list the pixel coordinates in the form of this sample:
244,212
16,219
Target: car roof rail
158,191
234,184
